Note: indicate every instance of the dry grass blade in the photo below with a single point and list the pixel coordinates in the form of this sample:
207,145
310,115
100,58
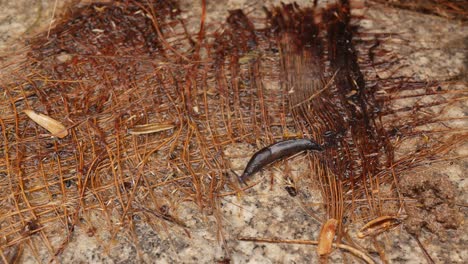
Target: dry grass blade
56,128
149,128
378,226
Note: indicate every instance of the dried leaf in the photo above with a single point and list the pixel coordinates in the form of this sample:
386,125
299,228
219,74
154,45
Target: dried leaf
327,234
378,225
149,128
56,128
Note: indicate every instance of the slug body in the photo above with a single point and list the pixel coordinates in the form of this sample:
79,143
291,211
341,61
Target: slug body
276,152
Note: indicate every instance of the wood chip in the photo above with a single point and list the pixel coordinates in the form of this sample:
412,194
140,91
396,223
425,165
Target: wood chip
327,234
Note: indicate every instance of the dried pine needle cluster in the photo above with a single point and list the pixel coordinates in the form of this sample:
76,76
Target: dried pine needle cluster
122,112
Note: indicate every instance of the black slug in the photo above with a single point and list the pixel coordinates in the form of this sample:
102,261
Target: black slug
274,152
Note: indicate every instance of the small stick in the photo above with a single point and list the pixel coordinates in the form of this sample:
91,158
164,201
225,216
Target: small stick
358,253
426,254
